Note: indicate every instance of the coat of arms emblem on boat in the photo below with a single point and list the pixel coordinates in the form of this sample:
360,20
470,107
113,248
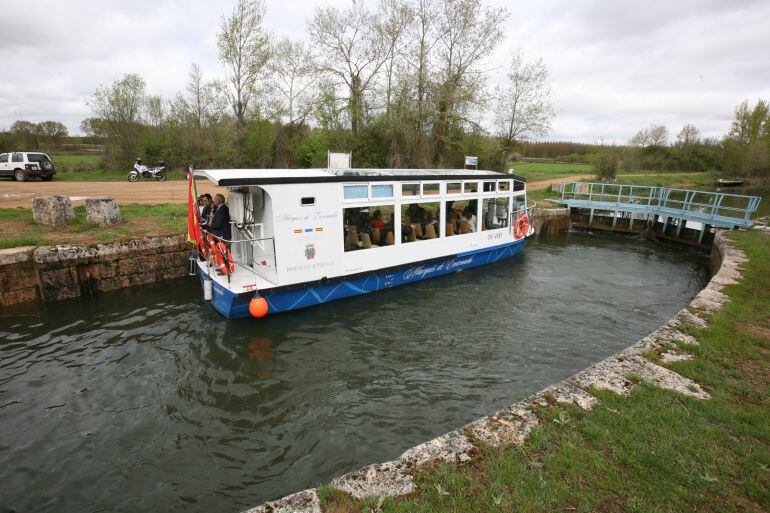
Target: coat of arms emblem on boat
310,251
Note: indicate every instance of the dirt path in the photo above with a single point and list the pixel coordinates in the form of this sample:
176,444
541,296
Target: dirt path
20,194
543,184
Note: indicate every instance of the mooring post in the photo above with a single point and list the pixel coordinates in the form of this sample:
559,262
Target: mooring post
614,218
702,233
680,224
591,218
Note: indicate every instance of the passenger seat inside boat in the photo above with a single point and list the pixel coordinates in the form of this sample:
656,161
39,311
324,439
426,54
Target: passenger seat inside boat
368,227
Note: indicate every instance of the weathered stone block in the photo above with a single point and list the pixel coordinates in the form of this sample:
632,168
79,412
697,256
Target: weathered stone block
52,210
16,255
22,295
102,211
59,284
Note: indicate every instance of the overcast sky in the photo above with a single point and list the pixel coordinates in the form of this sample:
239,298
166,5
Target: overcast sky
617,66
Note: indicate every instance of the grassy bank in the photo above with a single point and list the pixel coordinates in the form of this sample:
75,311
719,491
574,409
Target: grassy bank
18,229
89,168
654,451
538,171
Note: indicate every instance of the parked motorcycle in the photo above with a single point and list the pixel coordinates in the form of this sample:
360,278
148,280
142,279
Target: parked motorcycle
158,172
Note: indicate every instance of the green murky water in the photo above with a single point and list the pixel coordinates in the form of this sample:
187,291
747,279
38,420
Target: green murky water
147,400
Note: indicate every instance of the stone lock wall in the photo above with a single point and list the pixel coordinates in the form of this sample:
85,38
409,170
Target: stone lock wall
548,221
56,273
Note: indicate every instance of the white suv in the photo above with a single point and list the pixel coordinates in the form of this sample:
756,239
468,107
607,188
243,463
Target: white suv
22,165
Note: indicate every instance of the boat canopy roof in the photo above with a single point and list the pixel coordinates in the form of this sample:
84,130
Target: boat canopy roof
236,177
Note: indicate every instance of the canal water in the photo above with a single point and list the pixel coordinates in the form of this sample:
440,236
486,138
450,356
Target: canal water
147,400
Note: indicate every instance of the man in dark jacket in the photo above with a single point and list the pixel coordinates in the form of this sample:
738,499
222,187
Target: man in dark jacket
220,222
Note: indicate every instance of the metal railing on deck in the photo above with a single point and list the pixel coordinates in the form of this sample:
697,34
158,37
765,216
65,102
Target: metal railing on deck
256,255
715,208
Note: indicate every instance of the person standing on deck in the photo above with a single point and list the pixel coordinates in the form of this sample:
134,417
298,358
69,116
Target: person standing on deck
220,222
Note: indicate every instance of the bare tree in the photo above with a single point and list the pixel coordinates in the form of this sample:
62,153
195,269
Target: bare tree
654,135
467,33
424,38
351,49
244,51
522,107
395,17
292,82
195,91
156,111
687,136
205,103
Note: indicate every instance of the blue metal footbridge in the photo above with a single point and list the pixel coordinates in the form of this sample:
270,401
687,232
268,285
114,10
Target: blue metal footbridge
702,210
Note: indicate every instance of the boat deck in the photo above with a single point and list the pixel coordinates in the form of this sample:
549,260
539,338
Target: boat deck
242,280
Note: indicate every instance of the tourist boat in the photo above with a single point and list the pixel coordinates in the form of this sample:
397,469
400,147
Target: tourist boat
304,237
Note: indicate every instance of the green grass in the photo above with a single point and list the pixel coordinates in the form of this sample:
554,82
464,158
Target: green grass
18,229
89,168
538,171
654,451
687,180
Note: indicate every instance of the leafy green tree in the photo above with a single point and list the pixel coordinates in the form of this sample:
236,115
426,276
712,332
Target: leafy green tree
121,107
27,133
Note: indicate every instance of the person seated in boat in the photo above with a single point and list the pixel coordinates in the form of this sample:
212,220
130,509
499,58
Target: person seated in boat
220,220
416,213
377,221
469,217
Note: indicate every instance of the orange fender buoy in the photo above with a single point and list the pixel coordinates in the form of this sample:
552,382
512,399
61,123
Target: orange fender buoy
258,307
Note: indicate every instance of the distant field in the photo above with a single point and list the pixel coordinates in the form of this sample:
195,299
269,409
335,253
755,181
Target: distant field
538,171
75,160
88,168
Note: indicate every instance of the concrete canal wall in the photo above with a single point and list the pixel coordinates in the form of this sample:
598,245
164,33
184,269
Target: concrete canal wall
57,273
513,424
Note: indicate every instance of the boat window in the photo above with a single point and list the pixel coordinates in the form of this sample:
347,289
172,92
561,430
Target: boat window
382,191
518,185
504,186
410,189
307,201
489,186
469,187
420,221
430,189
356,192
453,188
461,217
495,213
368,227
519,205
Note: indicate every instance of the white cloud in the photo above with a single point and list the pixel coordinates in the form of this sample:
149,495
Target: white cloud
616,66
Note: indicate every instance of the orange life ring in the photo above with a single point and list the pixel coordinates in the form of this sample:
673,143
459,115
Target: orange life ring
203,250
521,228
224,259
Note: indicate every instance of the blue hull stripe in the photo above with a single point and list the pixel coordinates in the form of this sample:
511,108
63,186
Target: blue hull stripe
234,305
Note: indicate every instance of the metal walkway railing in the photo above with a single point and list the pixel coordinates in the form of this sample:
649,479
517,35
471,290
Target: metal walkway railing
716,209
